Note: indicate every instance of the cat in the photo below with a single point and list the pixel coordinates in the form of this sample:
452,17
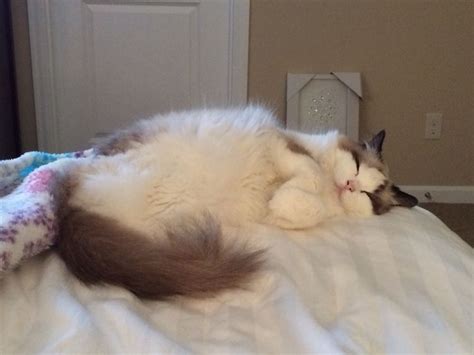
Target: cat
147,211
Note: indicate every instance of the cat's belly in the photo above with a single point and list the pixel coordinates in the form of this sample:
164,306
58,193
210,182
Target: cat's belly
232,183
233,199
162,183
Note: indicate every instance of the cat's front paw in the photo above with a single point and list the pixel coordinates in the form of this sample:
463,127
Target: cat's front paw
307,183
356,204
294,208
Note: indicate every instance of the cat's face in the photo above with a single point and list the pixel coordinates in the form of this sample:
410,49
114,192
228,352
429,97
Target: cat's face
361,178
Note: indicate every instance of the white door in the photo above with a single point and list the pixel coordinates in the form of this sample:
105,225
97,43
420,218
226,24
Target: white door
100,64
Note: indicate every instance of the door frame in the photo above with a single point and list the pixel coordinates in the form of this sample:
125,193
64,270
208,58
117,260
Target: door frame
43,71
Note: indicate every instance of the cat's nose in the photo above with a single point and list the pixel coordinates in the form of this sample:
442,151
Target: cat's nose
350,185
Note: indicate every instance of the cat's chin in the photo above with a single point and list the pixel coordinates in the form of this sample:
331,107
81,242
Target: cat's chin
340,191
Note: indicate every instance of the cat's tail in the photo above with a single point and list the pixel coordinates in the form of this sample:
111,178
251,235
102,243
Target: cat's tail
191,260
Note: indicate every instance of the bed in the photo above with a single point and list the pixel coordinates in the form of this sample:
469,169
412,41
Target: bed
397,283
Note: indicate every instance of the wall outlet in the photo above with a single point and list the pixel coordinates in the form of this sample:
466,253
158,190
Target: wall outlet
433,125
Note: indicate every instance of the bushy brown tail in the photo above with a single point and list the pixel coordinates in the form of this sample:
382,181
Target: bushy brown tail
192,260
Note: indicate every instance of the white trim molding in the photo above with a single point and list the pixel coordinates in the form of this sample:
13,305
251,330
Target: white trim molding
43,74
239,51
441,194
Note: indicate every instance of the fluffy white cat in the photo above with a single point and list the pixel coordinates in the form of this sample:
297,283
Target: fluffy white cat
145,212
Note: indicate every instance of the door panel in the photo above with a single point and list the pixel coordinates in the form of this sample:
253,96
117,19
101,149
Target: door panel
108,63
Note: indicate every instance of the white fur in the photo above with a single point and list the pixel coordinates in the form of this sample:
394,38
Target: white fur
234,164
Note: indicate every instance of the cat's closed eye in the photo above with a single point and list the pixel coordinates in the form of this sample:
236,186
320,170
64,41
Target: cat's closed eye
355,156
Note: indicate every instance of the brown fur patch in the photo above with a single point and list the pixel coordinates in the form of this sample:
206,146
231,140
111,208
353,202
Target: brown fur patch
125,139
379,204
348,144
191,261
122,140
296,147
364,155
400,198
387,195
381,198
117,143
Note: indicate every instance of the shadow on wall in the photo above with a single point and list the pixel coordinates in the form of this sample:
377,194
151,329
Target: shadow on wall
9,145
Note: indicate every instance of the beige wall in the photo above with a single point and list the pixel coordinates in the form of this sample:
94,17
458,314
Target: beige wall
415,57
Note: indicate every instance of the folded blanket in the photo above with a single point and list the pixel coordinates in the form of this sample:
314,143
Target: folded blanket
28,204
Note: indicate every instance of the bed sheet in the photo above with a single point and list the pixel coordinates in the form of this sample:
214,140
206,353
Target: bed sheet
397,283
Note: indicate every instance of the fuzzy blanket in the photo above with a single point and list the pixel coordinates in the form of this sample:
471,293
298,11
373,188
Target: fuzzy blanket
28,204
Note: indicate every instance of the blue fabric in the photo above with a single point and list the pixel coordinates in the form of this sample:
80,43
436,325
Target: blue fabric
42,158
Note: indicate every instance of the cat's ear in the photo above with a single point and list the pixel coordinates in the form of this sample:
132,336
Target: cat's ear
400,198
376,142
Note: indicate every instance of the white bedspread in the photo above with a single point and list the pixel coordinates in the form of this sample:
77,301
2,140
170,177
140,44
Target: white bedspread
399,283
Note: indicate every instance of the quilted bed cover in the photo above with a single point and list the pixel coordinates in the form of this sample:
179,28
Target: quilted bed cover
401,283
